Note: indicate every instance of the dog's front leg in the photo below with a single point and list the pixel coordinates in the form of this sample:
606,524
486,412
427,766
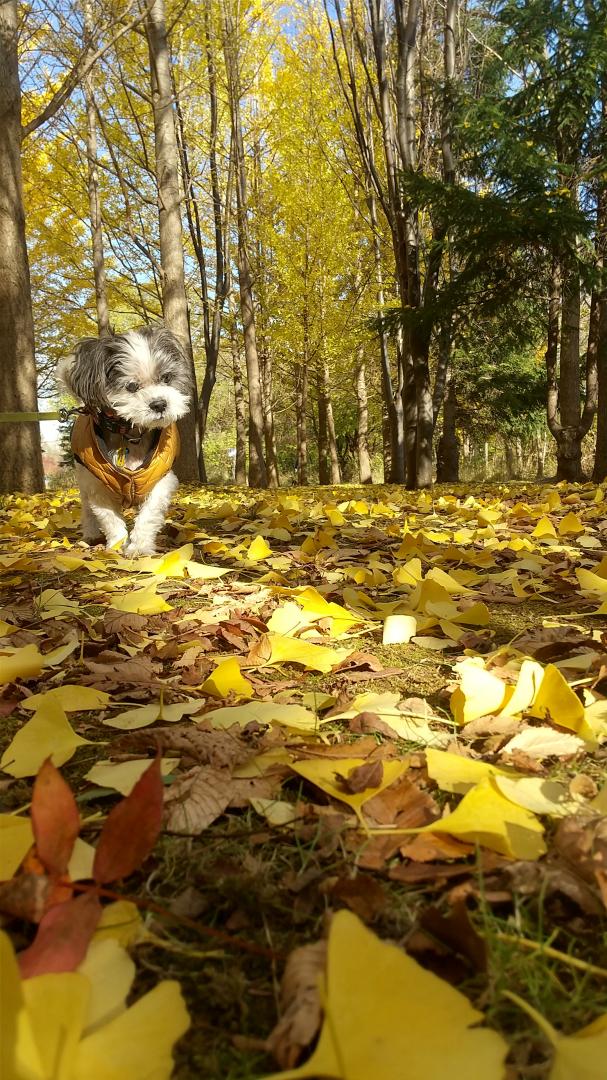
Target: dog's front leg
100,511
151,517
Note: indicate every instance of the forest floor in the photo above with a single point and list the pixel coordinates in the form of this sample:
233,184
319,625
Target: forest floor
370,700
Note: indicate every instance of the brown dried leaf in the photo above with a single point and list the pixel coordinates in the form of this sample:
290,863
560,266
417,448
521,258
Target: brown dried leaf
300,1002
197,800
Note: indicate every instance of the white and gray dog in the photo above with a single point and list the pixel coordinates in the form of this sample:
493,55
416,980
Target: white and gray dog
134,387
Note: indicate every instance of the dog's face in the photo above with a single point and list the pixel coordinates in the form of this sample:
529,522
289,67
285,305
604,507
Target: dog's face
142,375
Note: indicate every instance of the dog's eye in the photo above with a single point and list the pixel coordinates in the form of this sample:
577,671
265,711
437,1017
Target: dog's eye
132,387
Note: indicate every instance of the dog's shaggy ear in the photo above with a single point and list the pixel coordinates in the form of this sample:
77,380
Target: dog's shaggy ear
83,372
172,353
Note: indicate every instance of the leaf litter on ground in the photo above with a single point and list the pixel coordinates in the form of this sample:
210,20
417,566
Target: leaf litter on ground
488,788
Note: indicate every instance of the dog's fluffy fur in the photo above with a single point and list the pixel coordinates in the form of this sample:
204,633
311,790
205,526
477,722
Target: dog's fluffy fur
143,376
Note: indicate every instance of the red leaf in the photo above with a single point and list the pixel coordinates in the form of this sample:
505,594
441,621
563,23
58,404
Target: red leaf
131,829
63,937
55,819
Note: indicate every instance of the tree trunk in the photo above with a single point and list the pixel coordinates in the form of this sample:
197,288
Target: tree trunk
447,457
569,445
174,300
600,460
409,409
301,405
240,463
362,434
328,458
20,451
103,313
269,433
258,473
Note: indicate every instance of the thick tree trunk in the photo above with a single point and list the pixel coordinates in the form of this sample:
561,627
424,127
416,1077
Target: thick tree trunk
240,463
362,434
569,443
174,300
600,460
409,407
301,406
20,452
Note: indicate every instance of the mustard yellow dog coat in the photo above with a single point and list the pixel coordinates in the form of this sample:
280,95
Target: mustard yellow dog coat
130,486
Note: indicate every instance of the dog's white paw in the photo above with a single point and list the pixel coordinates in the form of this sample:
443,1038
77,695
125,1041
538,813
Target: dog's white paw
117,542
133,550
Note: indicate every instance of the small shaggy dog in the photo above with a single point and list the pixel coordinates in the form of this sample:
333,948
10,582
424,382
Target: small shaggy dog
134,387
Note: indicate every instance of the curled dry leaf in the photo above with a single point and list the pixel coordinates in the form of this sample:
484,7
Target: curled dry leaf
300,1004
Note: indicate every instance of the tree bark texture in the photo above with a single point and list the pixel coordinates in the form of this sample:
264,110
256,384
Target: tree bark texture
20,450
240,463
301,406
258,473
174,299
362,432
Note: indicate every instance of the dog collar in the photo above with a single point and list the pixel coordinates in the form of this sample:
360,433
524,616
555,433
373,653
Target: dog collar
111,422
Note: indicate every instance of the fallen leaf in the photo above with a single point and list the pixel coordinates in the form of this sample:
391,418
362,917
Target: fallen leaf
382,1010
47,734
55,819
300,1003
227,679
131,829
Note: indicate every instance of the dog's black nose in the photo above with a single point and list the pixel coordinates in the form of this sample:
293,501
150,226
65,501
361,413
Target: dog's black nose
158,405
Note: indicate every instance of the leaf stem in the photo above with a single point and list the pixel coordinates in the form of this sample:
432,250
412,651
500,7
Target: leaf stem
554,954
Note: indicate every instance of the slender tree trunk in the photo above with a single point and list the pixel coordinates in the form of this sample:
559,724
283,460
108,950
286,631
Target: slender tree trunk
324,471
103,313
409,410
447,458
362,435
20,451
301,404
334,470
269,433
240,463
600,460
174,299
258,473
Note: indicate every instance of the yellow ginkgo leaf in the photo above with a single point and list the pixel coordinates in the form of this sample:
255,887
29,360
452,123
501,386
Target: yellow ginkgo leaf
76,1025
264,712
47,734
580,1056
133,719
123,775
486,817
171,565
227,679
456,773
555,700
54,605
386,1017
331,776
544,529
16,838
314,604
71,698
591,583
121,921
258,549
527,685
570,525
80,866
23,663
277,649
479,694
141,601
